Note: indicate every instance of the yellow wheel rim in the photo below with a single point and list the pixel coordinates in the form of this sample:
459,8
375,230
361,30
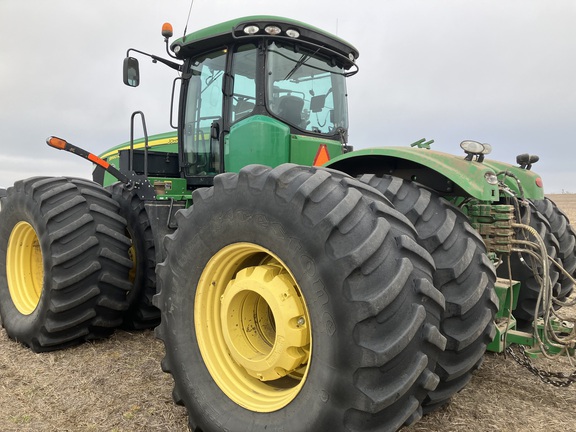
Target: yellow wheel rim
253,327
24,268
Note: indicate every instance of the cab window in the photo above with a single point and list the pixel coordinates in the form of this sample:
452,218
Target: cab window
204,101
305,90
244,87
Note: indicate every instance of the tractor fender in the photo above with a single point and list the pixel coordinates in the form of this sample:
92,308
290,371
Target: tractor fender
447,174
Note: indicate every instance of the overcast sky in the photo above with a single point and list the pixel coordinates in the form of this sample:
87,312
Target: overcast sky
496,71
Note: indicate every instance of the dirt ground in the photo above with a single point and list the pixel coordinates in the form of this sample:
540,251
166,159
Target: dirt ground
117,385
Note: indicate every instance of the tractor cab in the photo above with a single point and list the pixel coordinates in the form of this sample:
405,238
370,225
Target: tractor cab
258,90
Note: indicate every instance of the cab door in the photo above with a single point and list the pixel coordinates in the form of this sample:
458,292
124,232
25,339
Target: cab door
202,117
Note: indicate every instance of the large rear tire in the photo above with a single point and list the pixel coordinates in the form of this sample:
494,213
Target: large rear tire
464,274
141,313
63,262
291,300
566,236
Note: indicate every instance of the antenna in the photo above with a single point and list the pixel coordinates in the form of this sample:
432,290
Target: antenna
188,19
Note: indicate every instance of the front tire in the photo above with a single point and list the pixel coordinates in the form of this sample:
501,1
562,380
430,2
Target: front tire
290,300
62,262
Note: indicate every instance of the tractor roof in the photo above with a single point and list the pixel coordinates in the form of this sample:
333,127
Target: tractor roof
229,31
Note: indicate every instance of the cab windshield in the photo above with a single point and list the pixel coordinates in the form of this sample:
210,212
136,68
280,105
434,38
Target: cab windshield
306,90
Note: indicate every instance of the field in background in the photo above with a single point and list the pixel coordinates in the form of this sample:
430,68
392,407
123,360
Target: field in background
567,202
116,385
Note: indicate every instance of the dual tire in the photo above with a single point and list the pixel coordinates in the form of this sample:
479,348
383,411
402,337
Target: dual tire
297,298
78,261
63,262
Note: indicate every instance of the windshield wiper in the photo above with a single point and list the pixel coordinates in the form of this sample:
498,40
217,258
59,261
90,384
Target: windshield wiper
211,79
303,59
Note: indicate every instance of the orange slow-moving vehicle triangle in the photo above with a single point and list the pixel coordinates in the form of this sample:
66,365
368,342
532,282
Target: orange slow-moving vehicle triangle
322,156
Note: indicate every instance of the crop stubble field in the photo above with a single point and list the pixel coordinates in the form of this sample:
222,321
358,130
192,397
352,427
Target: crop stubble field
117,385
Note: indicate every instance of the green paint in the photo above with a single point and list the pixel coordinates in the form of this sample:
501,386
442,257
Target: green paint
170,188
453,175
305,148
224,31
256,140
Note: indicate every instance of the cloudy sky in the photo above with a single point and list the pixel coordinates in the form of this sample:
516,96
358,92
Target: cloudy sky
496,71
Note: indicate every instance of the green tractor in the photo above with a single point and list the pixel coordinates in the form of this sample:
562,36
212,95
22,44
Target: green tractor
296,284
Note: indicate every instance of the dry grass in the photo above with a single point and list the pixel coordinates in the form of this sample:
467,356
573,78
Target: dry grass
112,385
567,202
504,396
117,385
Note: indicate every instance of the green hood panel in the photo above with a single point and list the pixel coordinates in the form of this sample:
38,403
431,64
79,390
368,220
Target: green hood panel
446,173
241,148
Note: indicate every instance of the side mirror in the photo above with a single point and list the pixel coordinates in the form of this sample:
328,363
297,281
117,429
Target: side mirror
131,72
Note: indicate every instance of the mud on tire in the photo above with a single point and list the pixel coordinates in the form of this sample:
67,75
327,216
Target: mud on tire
63,262
359,284
464,274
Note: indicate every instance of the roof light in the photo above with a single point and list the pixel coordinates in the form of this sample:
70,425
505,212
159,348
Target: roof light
293,33
167,30
473,147
176,49
251,29
272,30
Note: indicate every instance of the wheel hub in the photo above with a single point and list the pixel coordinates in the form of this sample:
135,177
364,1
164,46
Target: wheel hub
252,304
252,327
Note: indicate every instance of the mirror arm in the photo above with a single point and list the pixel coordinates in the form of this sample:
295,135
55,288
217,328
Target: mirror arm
173,65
